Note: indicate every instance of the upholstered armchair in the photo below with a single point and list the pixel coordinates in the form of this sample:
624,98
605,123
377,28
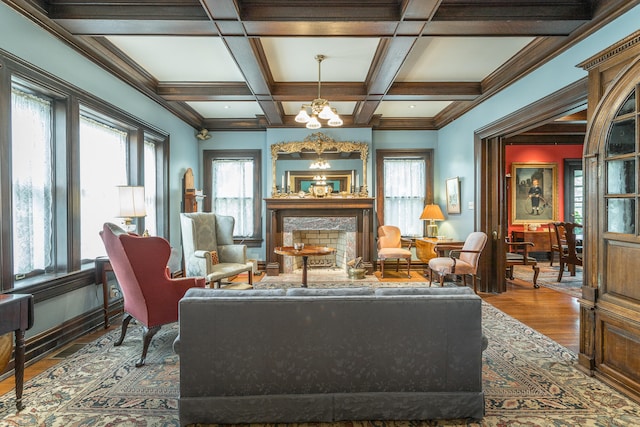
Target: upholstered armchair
461,262
391,245
150,294
209,250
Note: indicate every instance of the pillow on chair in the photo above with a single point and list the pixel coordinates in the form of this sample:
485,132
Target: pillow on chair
214,258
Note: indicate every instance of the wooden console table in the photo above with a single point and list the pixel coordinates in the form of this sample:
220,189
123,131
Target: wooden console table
16,315
541,240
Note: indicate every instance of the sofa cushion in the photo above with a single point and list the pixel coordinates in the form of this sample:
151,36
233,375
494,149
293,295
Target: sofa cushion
329,292
231,293
460,290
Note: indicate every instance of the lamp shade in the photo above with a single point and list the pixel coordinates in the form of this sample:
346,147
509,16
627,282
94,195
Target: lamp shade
131,201
432,212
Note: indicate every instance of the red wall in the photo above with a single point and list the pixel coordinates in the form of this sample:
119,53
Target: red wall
541,154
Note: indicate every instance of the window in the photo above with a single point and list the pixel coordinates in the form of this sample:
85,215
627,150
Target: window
621,165
573,193
150,187
232,182
404,187
103,166
32,178
66,152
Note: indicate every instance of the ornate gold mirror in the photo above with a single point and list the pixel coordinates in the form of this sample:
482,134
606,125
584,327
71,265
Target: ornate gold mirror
321,147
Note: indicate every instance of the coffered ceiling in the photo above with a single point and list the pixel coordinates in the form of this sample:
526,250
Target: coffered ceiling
390,64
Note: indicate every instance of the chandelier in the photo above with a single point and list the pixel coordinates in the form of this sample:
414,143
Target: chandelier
319,108
320,164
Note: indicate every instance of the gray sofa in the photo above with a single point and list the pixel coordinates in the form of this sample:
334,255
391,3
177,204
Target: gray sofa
312,355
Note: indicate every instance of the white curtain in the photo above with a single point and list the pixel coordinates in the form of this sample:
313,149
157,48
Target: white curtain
233,192
31,160
404,194
150,187
103,166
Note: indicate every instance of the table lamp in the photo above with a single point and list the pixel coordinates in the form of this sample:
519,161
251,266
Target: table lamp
131,205
433,214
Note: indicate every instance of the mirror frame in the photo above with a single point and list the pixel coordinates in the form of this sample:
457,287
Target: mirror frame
318,142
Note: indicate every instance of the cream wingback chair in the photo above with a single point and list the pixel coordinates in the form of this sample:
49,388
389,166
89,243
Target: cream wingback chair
209,250
461,261
390,246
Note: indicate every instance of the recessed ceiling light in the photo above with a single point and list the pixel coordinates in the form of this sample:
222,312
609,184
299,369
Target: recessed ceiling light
226,107
412,106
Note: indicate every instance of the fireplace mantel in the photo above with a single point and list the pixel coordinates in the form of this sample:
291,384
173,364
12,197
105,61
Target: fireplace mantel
359,207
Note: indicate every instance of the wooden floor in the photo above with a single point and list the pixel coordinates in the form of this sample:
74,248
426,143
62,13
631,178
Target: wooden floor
552,313
549,312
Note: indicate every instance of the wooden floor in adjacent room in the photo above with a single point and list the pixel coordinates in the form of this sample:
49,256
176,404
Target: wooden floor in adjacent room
550,312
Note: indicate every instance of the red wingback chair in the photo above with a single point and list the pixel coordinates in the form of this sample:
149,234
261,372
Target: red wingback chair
150,295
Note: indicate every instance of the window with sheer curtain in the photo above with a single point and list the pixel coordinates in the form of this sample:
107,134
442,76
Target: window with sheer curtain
103,166
404,194
150,187
32,182
233,192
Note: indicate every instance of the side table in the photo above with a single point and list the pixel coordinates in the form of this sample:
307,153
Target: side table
103,266
304,253
16,315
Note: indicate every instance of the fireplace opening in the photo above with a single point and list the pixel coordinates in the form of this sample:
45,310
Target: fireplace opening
334,232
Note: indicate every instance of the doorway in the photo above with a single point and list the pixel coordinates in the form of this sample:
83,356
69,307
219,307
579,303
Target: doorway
538,123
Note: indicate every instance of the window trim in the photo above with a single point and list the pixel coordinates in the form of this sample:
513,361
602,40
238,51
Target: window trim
208,156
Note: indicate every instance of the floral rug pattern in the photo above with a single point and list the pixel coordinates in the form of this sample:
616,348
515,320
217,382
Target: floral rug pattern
528,379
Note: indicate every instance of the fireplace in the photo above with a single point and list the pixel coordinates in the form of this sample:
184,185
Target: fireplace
345,224
335,232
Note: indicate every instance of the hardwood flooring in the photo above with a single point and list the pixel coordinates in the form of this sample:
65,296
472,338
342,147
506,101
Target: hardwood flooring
549,312
552,313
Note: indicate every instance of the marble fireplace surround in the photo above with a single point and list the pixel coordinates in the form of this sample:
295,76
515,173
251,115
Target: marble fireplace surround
352,217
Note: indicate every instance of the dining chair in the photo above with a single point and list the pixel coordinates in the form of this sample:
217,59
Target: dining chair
571,255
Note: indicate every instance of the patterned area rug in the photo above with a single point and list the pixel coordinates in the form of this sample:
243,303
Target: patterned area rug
529,381
548,278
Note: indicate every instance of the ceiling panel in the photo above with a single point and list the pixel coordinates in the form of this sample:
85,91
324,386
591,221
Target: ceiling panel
181,58
465,59
293,59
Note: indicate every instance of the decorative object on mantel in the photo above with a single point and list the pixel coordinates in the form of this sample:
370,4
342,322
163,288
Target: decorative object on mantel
319,107
319,143
433,213
203,135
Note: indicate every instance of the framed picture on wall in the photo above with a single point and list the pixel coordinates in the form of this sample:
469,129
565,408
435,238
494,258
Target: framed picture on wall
453,195
534,192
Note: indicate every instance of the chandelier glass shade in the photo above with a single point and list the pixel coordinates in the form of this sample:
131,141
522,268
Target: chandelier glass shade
320,164
319,108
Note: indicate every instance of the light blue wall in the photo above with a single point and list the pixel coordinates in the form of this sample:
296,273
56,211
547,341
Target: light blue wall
26,40
455,149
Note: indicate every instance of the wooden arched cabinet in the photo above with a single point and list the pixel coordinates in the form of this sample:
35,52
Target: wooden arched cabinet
610,304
